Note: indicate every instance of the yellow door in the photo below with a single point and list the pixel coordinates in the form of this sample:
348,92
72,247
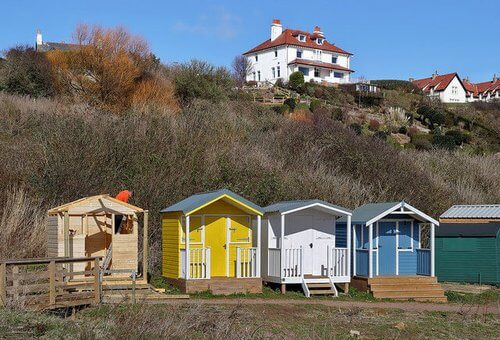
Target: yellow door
215,238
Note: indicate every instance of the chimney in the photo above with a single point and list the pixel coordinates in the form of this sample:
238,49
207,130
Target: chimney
39,40
434,75
495,78
466,79
276,29
317,31
411,79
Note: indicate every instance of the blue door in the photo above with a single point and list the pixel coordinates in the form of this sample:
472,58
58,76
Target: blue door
387,248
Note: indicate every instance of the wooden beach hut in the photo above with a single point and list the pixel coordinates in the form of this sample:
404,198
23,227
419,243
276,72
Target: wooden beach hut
222,252
302,244
99,226
393,252
468,244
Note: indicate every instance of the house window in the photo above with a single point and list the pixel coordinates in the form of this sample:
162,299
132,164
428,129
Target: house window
273,71
258,75
319,41
317,72
299,53
276,53
253,75
256,58
338,74
278,71
304,70
334,59
318,54
302,37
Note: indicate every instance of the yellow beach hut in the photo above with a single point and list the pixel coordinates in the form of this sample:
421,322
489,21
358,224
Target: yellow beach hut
222,252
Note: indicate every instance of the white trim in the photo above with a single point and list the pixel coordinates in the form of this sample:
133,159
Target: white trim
411,249
348,243
378,253
432,245
402,205
187,248
397,246
228,241
259,226
419,235
370,250
354,241
344,212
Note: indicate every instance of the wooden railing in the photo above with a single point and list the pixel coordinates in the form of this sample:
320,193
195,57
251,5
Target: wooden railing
49,283
337,262
274,262
246,262
293,263
424,262
199,263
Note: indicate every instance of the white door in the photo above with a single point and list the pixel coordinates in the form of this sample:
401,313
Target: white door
299,233
324,236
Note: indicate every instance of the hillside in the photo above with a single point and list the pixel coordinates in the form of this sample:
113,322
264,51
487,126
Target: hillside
100,119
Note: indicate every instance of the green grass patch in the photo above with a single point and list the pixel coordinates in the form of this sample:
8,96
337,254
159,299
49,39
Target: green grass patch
486,297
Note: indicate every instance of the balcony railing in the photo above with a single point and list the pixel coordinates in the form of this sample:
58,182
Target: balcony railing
199,263
246,263
337,262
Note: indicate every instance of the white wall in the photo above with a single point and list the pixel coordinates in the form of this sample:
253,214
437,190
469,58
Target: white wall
267,60
454,93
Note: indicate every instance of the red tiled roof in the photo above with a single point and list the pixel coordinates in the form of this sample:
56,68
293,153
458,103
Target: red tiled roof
488,86
320,64
469,87
290,37
439,82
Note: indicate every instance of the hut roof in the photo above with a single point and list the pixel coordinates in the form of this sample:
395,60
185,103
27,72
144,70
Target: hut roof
290,206
87,200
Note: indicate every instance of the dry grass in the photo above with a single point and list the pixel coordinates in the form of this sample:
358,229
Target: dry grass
62,152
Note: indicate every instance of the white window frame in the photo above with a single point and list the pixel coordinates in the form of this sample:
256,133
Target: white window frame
273,71
278,72
258,75
319,41
276,53
412,248
301,54
256,58
301,38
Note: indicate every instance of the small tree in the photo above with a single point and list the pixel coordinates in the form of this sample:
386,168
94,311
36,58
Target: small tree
291,103
296,80
27,72
241,69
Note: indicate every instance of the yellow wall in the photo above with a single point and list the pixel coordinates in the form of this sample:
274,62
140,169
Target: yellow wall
170,244
215,237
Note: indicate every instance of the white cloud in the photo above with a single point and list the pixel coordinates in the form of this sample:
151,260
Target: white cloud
220,24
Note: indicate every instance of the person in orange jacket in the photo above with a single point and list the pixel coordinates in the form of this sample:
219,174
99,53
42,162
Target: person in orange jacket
124,196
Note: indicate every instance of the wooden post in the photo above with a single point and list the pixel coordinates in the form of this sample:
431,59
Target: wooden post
186,242
15,282
145,244
133,286
432,250
97,282
3,284
348,245
66,239
52,283
283,288
370,250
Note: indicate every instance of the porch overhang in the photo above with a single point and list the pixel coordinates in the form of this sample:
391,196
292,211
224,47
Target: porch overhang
312,63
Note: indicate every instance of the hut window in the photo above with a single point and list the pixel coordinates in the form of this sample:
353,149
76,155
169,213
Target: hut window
124,224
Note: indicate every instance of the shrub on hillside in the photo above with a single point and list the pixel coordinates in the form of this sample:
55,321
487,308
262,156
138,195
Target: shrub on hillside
315,104
422,144
291,103
296,80
403,129
26,72
109,70
458,136
373,125
281,109
444,142
199,79
397,85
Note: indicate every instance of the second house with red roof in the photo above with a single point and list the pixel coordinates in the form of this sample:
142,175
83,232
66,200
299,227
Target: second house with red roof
290,50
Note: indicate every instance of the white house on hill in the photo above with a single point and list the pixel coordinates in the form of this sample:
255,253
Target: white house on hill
448,88
292,50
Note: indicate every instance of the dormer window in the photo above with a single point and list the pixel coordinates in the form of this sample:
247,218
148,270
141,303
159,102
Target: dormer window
319,41
302,37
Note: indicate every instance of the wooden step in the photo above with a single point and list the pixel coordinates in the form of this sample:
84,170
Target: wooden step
322,291
318,285
405,287
409,294
309,276
401,279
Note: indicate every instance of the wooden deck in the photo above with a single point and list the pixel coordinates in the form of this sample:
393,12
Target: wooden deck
219,285
40,284
418,288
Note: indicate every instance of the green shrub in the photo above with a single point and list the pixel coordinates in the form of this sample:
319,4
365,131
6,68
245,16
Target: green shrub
458,136
356,127
26,72
199,79
302,106
444,142
381,135
422,144
403,130
296,80
291,103
397,85
315,103
281,109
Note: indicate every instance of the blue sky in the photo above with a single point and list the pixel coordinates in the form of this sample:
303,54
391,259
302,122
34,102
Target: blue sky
389,38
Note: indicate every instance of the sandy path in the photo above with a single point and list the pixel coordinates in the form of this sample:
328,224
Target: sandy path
406,306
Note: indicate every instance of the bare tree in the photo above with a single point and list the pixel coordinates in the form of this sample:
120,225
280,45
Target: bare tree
241,68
